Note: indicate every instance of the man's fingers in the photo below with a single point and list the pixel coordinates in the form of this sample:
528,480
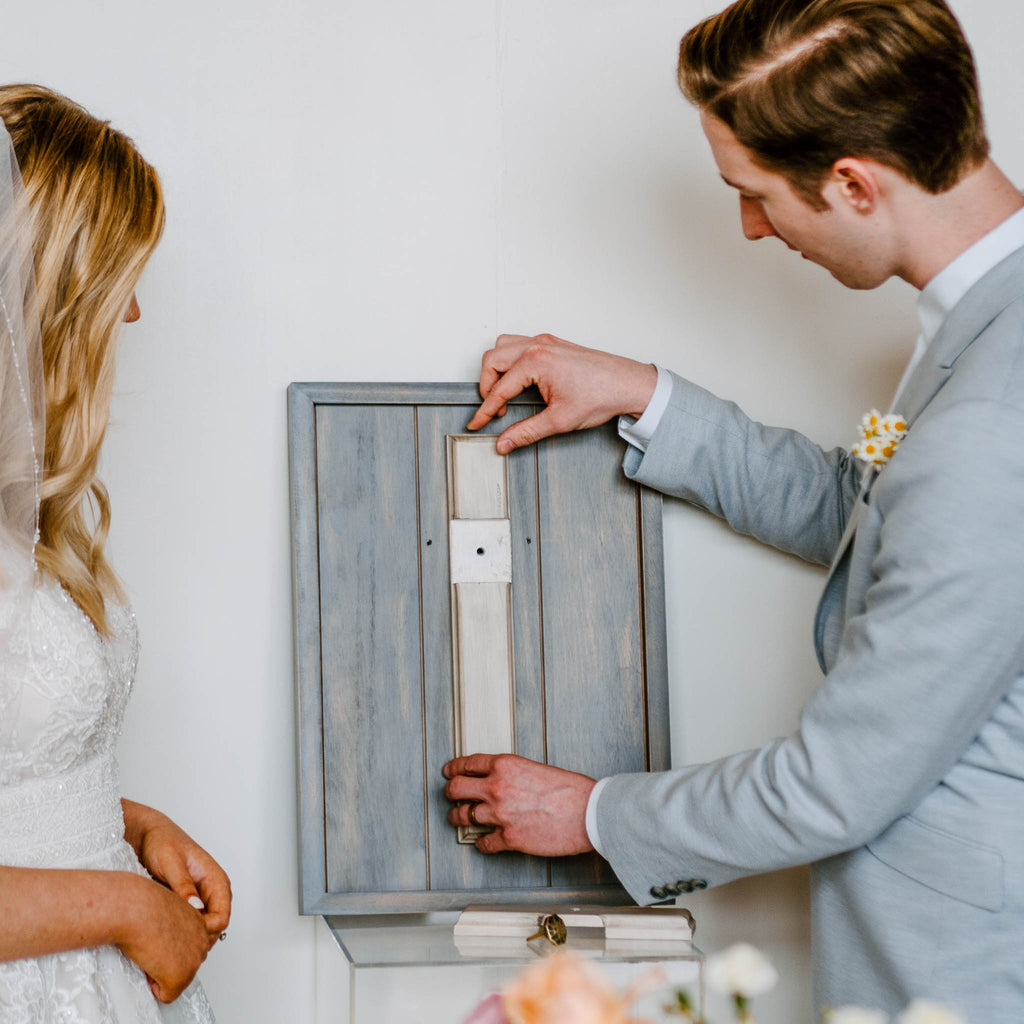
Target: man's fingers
516,380
472,812
465,788
529,431
497,360
472,764
493,842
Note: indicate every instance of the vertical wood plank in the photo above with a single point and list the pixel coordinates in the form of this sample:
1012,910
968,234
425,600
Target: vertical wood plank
306,611
482,624
454,866
370,640
659,753
593,643
526,618
480,568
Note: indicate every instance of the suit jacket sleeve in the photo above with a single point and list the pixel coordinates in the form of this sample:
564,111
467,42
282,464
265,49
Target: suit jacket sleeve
923,664
773,484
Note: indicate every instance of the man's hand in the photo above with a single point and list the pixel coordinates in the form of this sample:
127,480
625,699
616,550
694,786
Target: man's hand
172,857
581,386
534,808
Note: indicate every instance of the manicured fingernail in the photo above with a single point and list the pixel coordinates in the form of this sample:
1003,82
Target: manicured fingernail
504,447
195,901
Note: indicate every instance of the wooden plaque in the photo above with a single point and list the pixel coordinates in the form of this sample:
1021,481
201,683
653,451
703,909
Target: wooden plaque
579,637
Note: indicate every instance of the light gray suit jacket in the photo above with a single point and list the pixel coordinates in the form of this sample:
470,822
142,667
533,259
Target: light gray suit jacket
905,779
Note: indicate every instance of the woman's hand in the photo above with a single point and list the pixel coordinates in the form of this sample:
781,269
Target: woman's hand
165,936
171,856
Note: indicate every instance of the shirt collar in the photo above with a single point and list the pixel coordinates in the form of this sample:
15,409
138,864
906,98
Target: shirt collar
952,283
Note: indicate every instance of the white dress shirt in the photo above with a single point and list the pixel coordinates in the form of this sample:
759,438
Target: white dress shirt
934,304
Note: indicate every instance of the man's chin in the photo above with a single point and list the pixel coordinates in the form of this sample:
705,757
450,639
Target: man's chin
857,282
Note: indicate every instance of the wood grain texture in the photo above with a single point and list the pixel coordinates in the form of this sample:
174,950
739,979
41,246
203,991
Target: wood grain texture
477,480
454,866
370,649
486,702
370,511
306,625
652,598
593,640
481,576
484,684
457,899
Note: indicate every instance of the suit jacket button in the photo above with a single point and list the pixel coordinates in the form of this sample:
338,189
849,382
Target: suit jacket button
698,884
684,886
658,892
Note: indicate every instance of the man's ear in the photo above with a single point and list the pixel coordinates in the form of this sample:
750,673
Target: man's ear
855,182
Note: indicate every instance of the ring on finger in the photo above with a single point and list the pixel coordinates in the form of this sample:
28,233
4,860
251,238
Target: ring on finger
471,814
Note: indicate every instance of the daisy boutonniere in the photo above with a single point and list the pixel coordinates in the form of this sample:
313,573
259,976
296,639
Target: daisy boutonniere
880,436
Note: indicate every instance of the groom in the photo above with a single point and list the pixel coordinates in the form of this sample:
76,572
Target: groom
852,131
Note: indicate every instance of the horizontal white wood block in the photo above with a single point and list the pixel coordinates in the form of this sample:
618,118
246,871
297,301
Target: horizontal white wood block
623,925
480,550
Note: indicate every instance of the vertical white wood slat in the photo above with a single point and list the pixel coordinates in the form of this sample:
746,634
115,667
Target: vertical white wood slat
481,581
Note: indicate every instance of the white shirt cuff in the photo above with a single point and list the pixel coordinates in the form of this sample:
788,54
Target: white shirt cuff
591,821
639,432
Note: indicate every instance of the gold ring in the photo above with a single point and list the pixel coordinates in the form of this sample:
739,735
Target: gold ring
552,928
471,814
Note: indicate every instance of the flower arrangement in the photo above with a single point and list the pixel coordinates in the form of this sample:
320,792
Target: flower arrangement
880,436
562,988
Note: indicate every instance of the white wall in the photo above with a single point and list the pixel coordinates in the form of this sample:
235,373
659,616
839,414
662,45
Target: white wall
371,191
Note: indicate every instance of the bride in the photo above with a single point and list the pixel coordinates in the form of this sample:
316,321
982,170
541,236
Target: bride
107,907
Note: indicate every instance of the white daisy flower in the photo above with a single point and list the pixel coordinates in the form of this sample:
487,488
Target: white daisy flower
741,970
870,423
894,425
880,436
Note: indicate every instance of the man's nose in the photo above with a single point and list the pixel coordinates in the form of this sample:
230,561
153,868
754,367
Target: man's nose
754,221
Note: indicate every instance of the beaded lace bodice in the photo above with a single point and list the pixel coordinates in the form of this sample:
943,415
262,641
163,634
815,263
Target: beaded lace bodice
63,693
64,689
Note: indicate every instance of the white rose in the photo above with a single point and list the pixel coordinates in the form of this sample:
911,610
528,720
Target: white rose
923,1011
856,1015
741,969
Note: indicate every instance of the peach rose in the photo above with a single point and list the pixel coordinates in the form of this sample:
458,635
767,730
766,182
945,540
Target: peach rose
563,989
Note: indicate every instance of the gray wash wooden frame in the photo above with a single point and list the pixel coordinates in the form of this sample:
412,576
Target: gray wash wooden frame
373,643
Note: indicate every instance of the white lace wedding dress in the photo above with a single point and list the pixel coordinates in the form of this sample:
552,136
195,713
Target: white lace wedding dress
63,691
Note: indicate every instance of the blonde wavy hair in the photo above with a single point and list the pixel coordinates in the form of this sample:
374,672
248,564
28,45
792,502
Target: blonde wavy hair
97,215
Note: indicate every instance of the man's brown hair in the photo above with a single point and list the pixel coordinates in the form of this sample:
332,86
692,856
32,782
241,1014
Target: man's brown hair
803,83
